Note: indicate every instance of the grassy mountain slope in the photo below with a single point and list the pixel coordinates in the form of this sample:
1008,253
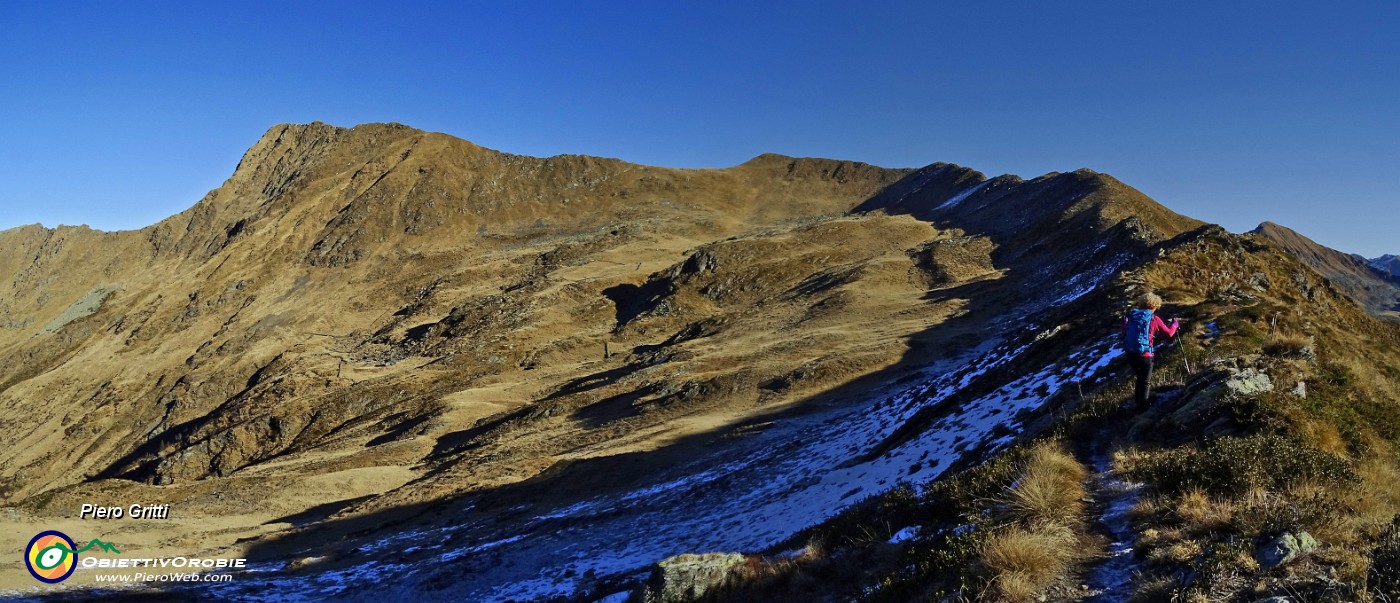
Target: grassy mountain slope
369,334
1225,465
1350,273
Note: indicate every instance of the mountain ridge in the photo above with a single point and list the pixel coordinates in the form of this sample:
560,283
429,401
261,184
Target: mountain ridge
363,185
1353,274
374,331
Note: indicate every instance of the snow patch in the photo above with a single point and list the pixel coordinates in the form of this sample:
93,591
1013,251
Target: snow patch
1111,580
904,535
962,196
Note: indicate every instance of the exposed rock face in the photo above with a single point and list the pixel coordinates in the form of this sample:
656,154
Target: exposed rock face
1385,567
1247,382
686,578
1200,400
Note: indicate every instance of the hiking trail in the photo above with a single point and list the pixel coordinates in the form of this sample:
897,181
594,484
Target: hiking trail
1110,579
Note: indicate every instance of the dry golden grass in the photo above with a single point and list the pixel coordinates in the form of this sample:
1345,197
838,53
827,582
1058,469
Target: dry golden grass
789,574
1154,589
1148,538
1176,553
1246,562
1025,561
1287,345
1126,460
1199,513
1352,565
1015,586
1377,499
1167,545
1145,507
1334,528
757,570
1051,487
1348,518
1036,551
1326,437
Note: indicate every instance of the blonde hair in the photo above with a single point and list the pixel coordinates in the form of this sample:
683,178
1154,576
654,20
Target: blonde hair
1150,301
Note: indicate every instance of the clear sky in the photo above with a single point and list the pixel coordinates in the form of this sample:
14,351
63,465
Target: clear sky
118,114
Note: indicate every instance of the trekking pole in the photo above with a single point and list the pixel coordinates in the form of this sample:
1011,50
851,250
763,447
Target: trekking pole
1185,360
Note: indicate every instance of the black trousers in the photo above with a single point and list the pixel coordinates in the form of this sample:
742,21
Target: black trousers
1142,367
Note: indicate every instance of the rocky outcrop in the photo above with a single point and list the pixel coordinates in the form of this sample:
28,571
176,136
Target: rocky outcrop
685,578
957,259
1206,389
1247,382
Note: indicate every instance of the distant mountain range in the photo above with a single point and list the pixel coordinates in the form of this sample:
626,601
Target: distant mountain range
1353,274
1388,264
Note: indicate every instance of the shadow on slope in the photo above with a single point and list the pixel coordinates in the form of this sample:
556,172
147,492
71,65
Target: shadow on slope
1052,266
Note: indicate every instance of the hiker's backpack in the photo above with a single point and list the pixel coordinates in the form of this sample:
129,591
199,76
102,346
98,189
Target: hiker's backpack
1138,338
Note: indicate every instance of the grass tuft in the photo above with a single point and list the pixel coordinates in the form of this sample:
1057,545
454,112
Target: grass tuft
1026,561
1288,346
1200,513
1051,487
1045,505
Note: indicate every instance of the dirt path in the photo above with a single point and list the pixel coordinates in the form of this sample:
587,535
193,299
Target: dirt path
1110,579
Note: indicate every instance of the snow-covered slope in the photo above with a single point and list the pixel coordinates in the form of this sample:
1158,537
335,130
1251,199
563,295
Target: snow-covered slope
744,500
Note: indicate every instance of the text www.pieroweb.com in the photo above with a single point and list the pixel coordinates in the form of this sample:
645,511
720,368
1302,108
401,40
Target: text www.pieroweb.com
142,577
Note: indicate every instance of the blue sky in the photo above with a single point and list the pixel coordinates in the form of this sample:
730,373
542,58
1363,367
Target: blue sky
120,114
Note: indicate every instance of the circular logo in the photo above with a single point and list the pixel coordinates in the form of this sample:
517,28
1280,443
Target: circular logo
50,557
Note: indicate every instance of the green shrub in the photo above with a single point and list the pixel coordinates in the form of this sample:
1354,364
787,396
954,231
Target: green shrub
873,519
1232,466
1333,397
1385,564
1336,375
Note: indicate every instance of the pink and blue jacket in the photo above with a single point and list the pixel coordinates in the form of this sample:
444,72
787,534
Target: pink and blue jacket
1158,326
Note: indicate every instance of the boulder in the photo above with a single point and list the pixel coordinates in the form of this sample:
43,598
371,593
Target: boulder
685,578
1285,548
1248,381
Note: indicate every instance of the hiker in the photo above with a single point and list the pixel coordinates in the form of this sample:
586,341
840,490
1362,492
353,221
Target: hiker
1139,327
